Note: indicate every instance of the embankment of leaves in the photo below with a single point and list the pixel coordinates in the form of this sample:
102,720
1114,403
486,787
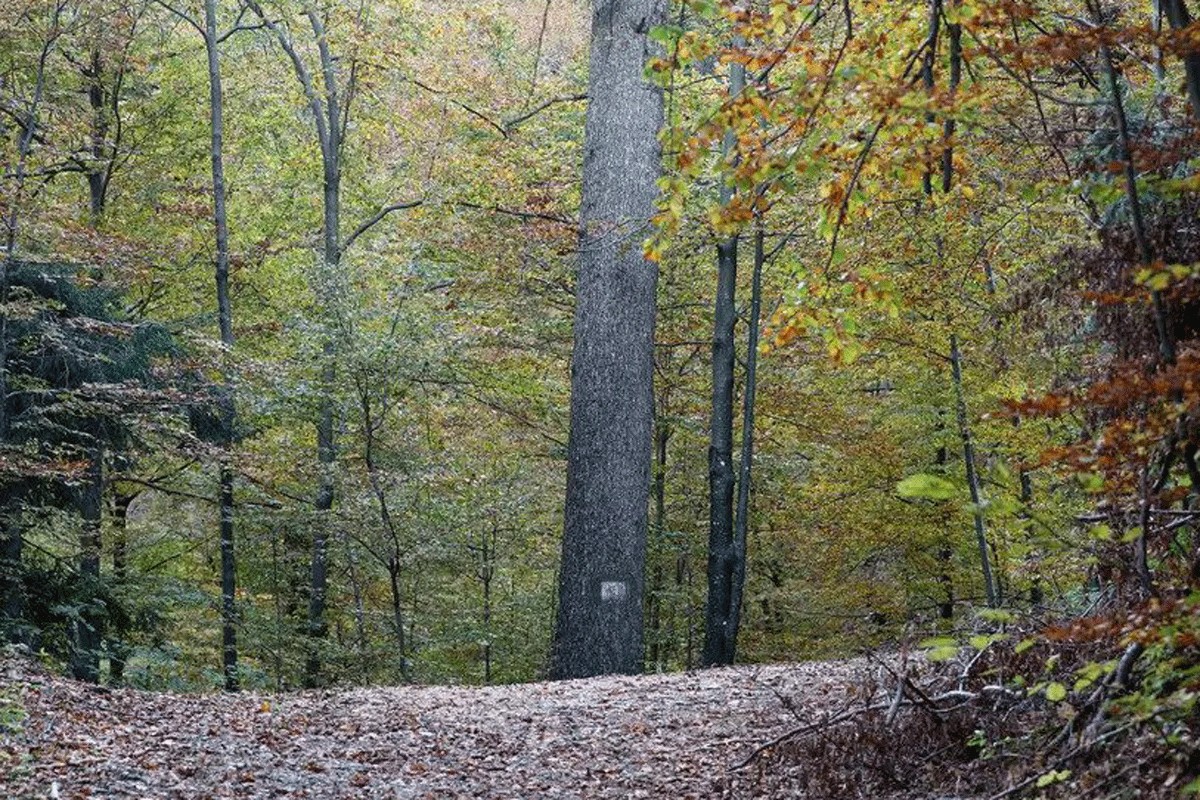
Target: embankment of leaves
1055,720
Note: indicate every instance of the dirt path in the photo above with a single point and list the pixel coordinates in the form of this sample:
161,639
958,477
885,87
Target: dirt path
668,736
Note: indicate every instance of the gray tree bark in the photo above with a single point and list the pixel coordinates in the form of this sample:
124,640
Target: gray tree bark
599,625
985,561
229,652
118,648
741,520
331,149
87,624
326,105
228,410
722,550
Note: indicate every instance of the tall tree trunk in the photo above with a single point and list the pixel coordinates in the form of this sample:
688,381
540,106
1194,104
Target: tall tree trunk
722,550
658,529
12,590
599,624
721,481
945,552
87,626
1176,11
118,648
328,293
326,107
394,563
225,476
741,521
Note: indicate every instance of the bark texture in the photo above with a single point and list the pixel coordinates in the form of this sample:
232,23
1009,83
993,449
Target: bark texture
599,625
964,428
721,482
87,627
229,650
741,520
723,566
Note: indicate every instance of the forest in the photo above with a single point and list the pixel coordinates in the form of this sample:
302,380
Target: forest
348,345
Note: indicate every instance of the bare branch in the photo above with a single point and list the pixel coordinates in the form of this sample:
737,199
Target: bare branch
527,215
510,124
376,218
183,15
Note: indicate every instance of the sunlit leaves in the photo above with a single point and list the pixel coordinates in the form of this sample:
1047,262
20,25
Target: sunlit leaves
928,487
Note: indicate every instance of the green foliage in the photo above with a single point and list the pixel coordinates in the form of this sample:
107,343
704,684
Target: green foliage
928,487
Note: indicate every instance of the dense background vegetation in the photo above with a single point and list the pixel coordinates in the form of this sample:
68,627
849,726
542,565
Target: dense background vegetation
978,287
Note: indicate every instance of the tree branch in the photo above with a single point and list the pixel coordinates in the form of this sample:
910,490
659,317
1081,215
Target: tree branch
183,15
376,218
510,124
514,213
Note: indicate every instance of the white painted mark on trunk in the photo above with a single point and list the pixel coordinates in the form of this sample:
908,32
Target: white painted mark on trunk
612,591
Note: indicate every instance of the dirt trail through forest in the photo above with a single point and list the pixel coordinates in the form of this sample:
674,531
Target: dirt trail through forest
668,736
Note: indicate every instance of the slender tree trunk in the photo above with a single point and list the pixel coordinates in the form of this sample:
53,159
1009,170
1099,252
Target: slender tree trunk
721,481
326,444
98,174
385,517
1166,341
955,32
1178,17
12,590
87,626
658,528
487,573
599,623
228,410
741,520
989,583
927,77
328,285
393,567
118,648
1176,12
722,549
945,552
1036,592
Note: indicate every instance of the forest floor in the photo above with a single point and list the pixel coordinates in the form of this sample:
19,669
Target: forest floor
662,736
